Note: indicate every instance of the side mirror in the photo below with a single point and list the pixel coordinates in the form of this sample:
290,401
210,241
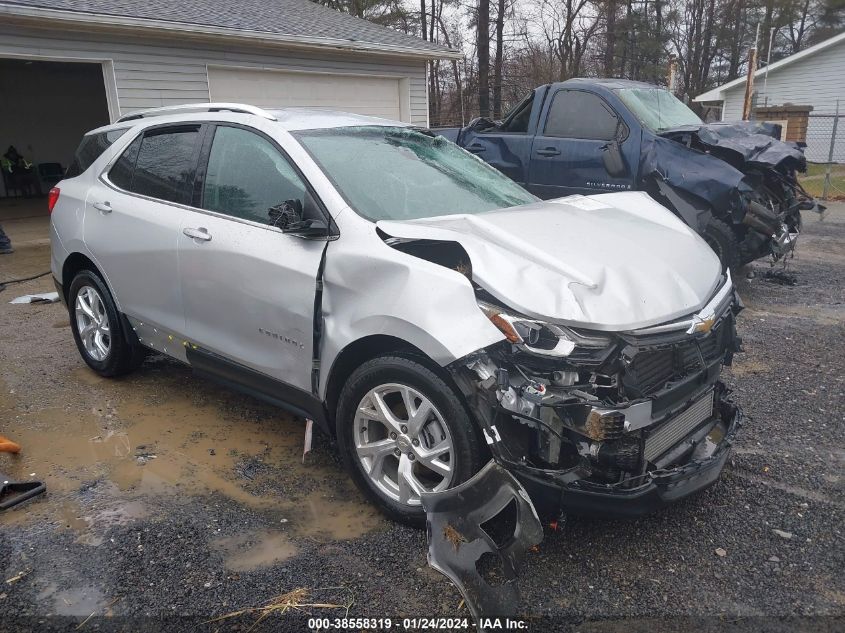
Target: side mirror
288,217
614,162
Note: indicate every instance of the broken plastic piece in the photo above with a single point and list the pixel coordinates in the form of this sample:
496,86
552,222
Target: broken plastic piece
44,297
14,492
478,534
309,433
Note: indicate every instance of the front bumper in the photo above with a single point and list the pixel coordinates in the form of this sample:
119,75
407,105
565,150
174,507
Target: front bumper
657,489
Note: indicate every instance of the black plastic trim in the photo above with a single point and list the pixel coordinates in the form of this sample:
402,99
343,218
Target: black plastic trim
230,374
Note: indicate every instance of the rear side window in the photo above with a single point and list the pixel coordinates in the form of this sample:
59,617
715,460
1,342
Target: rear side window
121,172
166,164
91,148
581,115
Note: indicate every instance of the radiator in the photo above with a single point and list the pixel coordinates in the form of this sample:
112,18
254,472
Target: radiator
673,431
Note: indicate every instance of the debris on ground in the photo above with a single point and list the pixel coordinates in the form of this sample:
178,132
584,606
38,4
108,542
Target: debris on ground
13,493
479,533
297,599
721,552
8,446
16,577
43,297
782,533
780,277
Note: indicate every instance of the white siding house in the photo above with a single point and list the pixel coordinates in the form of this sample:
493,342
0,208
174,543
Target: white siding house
67,66
814,77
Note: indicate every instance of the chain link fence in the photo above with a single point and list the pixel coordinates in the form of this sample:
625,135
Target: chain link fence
825,177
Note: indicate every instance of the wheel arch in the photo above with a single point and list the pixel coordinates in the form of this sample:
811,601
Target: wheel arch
369,347
74,263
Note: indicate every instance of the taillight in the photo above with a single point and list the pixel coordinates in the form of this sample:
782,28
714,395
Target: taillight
53,198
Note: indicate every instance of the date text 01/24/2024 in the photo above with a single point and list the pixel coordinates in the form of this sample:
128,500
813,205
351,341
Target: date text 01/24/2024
416,624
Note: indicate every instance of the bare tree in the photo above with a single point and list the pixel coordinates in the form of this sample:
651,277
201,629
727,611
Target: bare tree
483,52
497,61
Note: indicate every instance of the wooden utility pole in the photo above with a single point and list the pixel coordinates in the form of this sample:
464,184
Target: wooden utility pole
670,74
749,81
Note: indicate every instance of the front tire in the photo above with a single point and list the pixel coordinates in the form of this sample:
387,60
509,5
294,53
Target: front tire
98,328
402,429
720,237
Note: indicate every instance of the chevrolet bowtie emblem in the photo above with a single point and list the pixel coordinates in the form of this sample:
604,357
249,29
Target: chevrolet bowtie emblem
702,323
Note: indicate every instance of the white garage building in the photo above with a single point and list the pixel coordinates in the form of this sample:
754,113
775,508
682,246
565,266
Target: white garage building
814,77
67,66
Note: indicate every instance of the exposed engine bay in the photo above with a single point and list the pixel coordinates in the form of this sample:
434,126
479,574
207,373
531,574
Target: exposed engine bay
576,408
754,187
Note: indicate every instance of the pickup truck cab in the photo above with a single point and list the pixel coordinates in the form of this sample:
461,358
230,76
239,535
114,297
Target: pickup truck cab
733,183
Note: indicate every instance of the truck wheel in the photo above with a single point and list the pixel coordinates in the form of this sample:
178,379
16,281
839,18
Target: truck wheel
720,237
402,430
98,328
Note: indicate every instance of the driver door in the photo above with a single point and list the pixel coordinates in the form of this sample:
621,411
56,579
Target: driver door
569,151
247,287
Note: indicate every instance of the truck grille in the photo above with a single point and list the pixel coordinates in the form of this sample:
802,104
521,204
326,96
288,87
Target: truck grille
653,366
673,431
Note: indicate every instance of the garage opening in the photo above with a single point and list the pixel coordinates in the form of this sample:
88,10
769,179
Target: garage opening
374,96
45,108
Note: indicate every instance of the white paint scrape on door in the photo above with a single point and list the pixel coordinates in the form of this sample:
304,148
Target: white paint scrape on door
374,96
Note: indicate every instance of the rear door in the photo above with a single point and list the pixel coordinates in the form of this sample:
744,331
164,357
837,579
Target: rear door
507,147
133,219
248,287
568,153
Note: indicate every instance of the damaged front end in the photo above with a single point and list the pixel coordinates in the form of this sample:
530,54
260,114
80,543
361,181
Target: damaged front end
614,424
753,184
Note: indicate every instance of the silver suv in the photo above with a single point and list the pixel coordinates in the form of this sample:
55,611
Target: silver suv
419,306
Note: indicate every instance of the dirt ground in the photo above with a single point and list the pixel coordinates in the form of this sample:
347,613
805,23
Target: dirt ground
172,501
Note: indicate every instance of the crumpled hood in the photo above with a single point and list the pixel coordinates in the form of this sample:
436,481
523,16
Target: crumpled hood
611,262
745,142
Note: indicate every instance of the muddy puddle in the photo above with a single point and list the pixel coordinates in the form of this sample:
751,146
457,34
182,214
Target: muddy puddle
78,602
163,433
255,549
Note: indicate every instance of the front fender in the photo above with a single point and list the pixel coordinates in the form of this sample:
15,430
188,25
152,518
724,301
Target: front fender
371,289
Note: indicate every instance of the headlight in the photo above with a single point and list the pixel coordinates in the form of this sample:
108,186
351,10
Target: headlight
539,337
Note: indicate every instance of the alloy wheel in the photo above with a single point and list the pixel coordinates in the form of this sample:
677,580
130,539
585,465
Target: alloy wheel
403,444
92,323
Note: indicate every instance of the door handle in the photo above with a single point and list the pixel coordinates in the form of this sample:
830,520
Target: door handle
102,207
549,151
200,234
475,148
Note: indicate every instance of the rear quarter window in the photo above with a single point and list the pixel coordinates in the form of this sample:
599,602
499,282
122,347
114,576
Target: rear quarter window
91,148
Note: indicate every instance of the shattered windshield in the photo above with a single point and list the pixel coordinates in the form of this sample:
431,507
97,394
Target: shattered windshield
658,109
398,173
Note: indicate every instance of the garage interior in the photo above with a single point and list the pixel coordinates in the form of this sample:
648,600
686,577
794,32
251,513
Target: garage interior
45,108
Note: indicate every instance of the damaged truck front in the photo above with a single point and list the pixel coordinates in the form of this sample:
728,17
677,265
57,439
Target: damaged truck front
734,183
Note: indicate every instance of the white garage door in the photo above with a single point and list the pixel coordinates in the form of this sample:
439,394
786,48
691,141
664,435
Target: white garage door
375,96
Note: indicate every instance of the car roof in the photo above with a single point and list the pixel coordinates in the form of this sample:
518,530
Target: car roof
289,119
612,84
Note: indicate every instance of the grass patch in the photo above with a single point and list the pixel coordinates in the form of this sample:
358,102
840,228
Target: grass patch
813,180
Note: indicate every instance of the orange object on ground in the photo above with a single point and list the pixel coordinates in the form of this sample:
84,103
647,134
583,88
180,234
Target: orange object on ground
8,446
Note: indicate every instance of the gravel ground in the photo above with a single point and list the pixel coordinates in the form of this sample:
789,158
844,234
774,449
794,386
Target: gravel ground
172,502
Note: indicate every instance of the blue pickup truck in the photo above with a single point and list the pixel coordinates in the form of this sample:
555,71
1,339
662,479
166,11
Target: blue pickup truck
735,183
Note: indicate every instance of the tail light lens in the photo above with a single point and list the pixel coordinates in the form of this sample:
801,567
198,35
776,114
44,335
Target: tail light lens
52,198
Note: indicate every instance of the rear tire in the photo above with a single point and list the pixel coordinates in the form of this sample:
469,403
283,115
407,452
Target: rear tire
99,329
391,469
721,238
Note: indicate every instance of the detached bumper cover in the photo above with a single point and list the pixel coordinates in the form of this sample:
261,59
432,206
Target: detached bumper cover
489,515
657,489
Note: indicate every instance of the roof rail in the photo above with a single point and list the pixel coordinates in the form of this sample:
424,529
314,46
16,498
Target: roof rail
198,107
